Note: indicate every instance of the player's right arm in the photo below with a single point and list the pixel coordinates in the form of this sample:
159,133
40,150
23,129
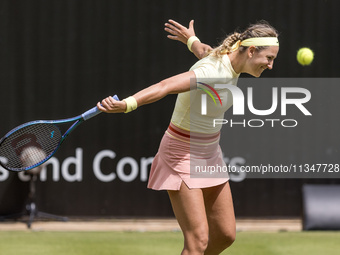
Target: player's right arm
181,33
173,85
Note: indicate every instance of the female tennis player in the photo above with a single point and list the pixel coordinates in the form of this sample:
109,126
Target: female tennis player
202,206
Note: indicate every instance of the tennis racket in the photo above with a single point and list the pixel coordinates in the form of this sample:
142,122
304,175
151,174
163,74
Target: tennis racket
33,143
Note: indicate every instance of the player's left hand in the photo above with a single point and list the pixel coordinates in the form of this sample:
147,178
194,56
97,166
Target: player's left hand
179,32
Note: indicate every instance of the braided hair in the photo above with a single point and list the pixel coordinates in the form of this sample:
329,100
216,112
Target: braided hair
260,29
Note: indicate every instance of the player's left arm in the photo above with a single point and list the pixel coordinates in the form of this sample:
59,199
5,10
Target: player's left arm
181,33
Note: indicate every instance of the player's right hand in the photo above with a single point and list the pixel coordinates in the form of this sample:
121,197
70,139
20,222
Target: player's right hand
110,105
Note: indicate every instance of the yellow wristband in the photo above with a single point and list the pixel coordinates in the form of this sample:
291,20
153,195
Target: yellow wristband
131,104
191,40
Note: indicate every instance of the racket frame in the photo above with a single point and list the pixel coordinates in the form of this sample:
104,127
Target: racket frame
77,121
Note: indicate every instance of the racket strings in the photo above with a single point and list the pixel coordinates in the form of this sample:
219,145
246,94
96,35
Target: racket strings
30,145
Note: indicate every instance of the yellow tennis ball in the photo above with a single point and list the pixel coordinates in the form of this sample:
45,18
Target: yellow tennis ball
305,56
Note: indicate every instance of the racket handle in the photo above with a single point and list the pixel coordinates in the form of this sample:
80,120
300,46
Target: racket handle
94,111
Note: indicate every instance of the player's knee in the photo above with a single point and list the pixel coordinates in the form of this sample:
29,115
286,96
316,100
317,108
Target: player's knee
227,240
230,239
202,242
198,240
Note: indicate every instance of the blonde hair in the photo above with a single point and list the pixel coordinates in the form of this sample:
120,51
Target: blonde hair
260,29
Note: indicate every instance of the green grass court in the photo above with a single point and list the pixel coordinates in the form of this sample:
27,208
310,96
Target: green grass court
164,243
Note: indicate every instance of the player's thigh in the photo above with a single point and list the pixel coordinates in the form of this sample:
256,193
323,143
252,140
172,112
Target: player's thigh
189,209
220,210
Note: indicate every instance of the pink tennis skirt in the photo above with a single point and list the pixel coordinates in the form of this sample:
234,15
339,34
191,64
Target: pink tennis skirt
184,156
